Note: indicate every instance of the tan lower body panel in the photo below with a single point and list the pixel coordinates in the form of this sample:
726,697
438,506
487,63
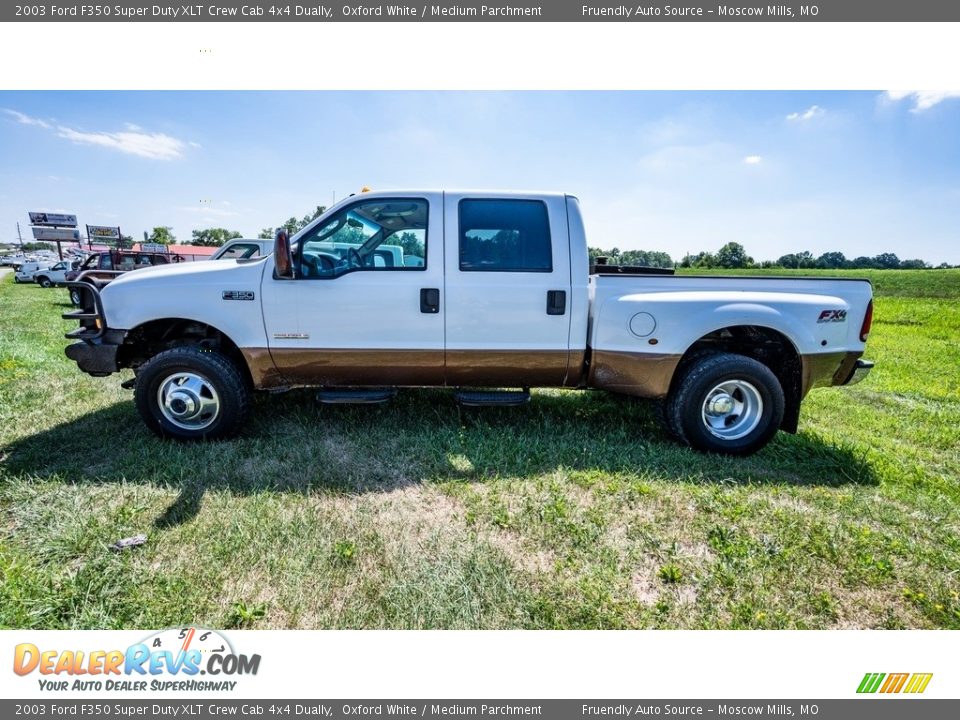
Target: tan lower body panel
641,374
649,375
507,368
340,368
262,370
633,373
418,368
826,369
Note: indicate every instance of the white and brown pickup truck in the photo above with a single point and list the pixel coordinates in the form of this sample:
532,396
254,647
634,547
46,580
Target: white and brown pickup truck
490,293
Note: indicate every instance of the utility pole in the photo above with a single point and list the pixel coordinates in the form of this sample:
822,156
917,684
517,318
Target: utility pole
20,237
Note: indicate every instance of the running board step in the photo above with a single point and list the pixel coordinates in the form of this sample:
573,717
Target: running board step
354,396
492,398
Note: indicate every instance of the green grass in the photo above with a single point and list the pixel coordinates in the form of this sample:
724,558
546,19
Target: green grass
572,512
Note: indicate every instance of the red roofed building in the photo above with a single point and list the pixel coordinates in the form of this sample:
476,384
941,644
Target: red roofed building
187,252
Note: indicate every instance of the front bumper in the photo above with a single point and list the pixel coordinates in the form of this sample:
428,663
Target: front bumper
96,358
96,351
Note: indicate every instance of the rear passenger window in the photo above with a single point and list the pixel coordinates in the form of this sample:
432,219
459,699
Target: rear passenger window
504,236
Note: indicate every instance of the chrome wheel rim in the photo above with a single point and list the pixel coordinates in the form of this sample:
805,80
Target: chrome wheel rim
732,409
188,401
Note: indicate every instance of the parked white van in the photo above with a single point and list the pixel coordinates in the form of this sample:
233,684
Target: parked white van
29,269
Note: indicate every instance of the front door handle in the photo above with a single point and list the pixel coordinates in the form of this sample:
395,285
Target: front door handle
556,302
429,300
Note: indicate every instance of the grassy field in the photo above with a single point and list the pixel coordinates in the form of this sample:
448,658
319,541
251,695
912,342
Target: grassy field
572,512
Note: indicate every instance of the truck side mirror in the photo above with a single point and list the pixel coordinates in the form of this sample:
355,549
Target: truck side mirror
282,257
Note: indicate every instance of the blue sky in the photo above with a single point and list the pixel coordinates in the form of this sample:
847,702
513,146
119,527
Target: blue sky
859,172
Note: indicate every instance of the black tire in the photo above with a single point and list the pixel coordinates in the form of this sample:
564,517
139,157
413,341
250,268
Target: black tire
661,408
44,282
219,380
76,297
694,409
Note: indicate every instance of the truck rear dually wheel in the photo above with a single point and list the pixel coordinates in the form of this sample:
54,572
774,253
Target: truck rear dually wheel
192,393
725,403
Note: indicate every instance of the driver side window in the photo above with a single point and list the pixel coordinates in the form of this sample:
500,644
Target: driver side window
382,234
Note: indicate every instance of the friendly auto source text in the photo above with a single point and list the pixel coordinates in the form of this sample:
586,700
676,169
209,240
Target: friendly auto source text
640,12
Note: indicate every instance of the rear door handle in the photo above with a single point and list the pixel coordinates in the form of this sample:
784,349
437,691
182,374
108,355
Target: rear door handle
556,302
430,300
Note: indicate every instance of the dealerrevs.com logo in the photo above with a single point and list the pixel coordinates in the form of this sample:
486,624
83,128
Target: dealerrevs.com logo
911,683
172,659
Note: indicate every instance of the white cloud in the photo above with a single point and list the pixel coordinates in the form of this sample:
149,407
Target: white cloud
24,119
814,111
752,160
155,146
132,141
922,99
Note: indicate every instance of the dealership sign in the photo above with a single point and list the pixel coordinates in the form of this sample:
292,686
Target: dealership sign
47,233
53,219
102,232
169,660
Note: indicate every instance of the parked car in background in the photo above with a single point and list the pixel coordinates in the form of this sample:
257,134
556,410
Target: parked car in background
244,249
14,261
25,272
101,268
56,274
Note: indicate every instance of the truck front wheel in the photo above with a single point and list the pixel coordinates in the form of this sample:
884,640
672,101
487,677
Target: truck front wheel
192,393
725,403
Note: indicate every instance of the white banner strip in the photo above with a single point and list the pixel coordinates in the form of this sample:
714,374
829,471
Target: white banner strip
508,664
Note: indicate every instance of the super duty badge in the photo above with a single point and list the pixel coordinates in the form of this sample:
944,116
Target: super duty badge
238,295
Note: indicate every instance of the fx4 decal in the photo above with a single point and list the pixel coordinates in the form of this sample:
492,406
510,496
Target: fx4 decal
832,316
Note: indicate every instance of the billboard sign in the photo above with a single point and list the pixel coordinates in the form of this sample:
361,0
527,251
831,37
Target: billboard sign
103,232
48,233
53,219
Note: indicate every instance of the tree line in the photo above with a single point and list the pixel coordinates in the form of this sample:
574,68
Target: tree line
215,237
733,256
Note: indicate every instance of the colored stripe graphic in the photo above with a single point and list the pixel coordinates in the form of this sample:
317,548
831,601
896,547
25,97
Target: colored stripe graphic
894,682
870,682
918,683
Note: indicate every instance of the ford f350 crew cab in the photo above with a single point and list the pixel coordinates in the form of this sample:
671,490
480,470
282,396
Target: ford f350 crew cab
475,291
